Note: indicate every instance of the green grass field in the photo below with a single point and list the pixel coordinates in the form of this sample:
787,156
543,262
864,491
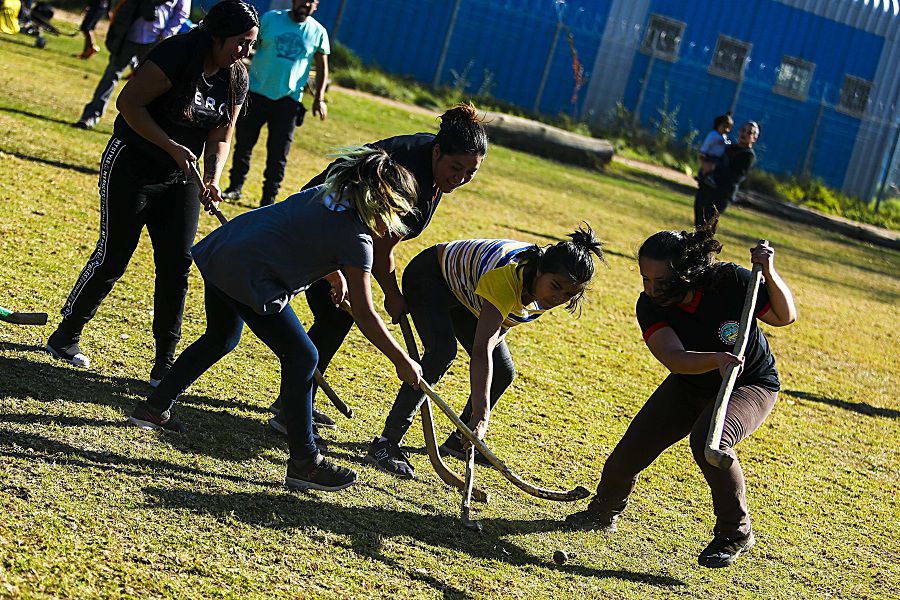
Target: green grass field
92,508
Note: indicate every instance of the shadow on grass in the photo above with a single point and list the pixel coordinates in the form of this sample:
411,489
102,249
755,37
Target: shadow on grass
367,526
862,408
217,433
52,163
15,443
634,175
34,115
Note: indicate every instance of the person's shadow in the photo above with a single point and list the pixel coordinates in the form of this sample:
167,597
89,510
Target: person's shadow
213,427
366,527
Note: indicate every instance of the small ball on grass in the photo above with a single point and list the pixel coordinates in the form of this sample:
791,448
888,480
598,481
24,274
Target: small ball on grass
560,557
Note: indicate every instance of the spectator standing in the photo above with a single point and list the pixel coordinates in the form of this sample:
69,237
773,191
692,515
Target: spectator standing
728,175
290,40
135,26
93,12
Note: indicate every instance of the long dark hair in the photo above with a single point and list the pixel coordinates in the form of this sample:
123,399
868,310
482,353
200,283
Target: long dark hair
570,258
227,18
691,258
462,132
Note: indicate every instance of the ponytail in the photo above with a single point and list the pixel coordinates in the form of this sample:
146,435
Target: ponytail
569,258
462,132
691,258
379,189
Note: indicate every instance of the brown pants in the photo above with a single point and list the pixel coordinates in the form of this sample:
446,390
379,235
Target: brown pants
675,410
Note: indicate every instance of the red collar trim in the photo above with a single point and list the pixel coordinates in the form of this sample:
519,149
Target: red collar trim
695,302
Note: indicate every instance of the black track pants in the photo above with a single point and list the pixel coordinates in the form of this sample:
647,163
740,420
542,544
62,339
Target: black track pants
170,211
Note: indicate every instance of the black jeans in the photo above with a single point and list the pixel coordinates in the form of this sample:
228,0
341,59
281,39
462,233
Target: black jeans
441,321
708,202
282,333
280,117
673,411
170,211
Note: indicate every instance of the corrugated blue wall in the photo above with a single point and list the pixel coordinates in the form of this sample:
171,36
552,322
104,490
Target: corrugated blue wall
507,41
775,30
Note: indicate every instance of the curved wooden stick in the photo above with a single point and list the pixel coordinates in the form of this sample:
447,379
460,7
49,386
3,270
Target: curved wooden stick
431,446
317,375
712,452
578,493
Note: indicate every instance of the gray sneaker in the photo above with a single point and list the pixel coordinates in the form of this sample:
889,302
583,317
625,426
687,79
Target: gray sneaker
232,194
318,473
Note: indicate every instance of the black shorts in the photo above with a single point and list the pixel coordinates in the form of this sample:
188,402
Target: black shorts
96,10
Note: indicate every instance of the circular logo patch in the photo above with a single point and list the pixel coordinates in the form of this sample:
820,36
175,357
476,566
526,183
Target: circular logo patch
728,332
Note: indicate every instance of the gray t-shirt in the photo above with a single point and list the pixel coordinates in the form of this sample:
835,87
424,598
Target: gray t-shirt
265,257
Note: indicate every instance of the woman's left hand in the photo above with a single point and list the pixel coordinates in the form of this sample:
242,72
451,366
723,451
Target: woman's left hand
763,254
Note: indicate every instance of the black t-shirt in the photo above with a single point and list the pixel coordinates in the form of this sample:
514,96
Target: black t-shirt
414,153
172,57
732,170
710,323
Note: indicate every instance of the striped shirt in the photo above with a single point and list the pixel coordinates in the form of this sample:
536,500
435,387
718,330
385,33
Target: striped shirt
479,270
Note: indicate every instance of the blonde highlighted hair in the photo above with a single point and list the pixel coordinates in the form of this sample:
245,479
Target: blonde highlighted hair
380,190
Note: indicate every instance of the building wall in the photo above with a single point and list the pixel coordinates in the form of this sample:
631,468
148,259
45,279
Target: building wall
500,46
790,126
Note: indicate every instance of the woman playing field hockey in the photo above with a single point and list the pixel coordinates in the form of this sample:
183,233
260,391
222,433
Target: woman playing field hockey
183,100
254,265
690,313
441,164
473,292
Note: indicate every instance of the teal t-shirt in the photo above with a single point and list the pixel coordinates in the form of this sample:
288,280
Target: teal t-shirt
283,59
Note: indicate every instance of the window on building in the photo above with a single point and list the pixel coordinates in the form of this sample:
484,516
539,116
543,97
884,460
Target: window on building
794,77
855,95
729,58
663,37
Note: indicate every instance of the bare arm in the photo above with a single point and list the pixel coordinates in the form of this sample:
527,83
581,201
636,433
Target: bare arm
666,346
383,270
371,325
782,310
488,334
218,144
149,82
319,107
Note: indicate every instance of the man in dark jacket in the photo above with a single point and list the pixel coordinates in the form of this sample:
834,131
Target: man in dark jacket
728,176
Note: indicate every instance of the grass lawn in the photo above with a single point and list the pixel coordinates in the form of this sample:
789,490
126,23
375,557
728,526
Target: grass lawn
92,508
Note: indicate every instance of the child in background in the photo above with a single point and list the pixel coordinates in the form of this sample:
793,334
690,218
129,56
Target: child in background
473,292
255,264
713,148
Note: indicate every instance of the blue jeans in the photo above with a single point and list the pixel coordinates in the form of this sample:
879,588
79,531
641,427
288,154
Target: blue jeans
282,333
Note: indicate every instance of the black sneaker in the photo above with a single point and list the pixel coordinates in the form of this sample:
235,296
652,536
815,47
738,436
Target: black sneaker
323,420
318,473
158,373
232,194
388,456
454,447
278,424
147,417
66,348
589,520
723,551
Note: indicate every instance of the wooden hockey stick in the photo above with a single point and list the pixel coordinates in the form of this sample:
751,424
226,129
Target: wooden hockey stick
446,474
712,452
